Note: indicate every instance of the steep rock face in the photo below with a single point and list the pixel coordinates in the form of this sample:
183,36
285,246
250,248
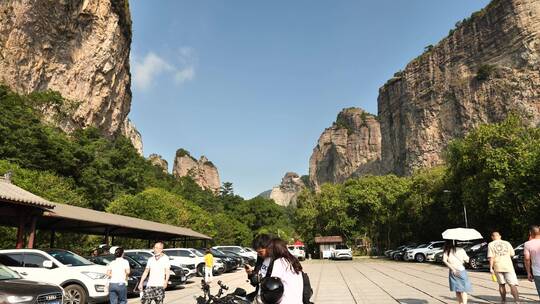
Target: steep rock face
158,161
486,68
286,193
129,130
79,48
352,146
203,171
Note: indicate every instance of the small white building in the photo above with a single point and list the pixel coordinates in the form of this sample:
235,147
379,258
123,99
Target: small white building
327,244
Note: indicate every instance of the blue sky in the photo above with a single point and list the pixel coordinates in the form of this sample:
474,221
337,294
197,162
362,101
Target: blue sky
252,84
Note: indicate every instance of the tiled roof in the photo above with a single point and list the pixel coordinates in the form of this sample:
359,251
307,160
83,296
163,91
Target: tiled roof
13,194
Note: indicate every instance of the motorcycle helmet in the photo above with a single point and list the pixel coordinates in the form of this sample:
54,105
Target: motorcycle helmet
271,290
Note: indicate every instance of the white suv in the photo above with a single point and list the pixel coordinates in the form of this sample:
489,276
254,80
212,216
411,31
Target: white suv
82,280
419,253
341,252
298,251
238,250
180,256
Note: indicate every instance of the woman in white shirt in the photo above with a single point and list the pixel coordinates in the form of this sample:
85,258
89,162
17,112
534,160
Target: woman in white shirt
285,267
453,258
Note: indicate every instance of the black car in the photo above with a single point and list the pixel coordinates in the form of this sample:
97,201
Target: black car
137,270
21,291
479,260
240,260
519,261
229,261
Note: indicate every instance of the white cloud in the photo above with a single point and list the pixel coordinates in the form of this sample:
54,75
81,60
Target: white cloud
145,71
184,75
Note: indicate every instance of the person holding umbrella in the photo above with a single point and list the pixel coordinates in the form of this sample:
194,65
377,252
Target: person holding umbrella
454,258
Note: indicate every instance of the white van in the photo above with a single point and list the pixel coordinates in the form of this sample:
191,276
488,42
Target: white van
82,280
298,251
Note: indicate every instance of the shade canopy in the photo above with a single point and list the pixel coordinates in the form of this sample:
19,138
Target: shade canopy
461,234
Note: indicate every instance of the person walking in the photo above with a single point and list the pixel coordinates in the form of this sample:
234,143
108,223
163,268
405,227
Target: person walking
500,255
118,272
208,266
157,270
531,252
453,258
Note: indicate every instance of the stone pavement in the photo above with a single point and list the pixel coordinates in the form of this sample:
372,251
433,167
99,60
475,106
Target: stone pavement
373,281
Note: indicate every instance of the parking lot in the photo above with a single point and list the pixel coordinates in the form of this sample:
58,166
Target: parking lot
372,281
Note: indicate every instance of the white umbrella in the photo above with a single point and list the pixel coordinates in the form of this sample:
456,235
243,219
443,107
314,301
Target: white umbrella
461,234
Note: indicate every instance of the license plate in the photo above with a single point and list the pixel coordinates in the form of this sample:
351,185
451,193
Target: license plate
520,265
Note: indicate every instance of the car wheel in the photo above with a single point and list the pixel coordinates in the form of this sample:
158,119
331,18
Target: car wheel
395,257
473,263
420,258
74,294
200,270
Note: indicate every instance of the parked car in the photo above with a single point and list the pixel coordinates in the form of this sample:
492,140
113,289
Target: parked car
176,278
430,255
298,251
479,259
228,260
184,256
342,252
242,259
142,256
519,260
82,280
399,255
238,249
419,254
219,264
13,289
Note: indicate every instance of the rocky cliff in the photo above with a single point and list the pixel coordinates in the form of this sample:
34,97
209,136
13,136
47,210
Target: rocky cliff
203,171
129,130
285,194
350,147
487,67
79,48
158,161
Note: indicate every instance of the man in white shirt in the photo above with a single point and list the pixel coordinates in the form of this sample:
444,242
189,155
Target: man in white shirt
118,271
157,270
500,255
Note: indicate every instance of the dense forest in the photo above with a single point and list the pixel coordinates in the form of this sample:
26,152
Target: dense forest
89,170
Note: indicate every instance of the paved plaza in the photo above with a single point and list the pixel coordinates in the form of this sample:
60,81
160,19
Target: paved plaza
372,281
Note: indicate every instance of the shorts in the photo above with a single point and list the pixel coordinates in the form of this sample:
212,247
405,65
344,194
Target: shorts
509,278
153,294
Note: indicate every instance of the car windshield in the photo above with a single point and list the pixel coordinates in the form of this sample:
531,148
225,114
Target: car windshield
422,246
215,251
233,249
301,247
7,274
196,252
69,258
342,247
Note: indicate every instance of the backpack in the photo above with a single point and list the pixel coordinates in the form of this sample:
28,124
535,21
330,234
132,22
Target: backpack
307,291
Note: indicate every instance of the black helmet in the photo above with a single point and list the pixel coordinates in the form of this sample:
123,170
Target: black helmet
271,290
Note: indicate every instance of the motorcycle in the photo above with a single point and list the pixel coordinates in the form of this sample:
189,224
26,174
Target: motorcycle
237,297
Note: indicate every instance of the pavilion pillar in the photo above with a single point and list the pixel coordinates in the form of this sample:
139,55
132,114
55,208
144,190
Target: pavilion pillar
53,234
20,233
32,236
106,238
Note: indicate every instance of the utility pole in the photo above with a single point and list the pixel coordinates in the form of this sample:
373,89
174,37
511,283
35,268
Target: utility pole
464,209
